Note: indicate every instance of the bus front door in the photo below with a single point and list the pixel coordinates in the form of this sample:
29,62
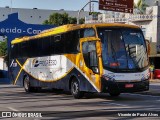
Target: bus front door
91,59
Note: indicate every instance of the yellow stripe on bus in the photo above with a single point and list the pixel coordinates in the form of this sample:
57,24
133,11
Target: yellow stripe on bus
15,81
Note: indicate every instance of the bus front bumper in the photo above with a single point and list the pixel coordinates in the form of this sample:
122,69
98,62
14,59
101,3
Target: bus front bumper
124,87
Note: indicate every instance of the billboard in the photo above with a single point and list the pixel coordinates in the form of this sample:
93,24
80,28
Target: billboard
117,5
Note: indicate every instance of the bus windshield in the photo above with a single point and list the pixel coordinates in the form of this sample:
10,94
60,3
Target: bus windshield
123,48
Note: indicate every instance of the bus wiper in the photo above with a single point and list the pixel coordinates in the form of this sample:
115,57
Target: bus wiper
114,54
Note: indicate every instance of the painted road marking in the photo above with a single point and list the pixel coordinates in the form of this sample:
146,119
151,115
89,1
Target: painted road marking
114,104
13,109
133,94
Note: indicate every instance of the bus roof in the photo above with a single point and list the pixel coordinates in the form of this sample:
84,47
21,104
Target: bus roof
68,27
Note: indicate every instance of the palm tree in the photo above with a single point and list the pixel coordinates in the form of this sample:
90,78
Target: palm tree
141,6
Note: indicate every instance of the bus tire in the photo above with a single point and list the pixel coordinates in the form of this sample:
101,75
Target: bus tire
26,84
75,89
114,94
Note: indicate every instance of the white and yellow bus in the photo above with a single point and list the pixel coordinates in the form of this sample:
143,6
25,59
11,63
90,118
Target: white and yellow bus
106,58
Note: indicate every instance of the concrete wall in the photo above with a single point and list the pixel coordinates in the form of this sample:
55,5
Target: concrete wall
36,16
152,29
3,65
153,48
152,2
158,33
149,2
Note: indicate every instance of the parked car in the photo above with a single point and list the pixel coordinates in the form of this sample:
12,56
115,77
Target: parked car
157,73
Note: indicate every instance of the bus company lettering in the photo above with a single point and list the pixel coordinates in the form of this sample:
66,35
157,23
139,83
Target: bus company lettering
44,63
18,30
13,64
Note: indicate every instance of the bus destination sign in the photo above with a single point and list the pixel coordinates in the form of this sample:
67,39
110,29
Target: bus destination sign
116,5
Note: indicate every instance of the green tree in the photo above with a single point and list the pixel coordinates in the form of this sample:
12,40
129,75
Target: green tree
81,21
46,22
141,6
3,48
72,20
61,19
94,13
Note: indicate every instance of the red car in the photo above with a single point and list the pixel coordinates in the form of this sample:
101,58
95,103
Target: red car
157,74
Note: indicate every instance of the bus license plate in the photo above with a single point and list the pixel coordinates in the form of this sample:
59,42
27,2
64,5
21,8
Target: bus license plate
129,86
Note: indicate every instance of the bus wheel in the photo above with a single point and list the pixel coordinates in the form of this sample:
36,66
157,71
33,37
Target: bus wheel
26,84
114,94
75,89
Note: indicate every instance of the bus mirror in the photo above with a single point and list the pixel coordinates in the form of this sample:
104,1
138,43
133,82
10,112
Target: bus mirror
93,61
95,69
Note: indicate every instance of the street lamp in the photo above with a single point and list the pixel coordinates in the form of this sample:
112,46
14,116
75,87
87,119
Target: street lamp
11,6
83,9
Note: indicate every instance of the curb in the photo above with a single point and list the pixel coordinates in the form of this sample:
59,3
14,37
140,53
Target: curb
155,80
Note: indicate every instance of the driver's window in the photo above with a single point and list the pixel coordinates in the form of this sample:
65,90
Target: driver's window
89,48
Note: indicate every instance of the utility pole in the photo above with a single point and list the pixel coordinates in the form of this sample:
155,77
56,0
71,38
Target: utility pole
11,6
92,10
90,6
83,9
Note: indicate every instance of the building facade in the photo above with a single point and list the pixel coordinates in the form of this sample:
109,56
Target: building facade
148,22
3,65
36,16
150,2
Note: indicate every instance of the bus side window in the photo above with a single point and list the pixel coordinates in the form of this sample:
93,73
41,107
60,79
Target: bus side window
14,51
18,54
34,46
85,53
88,32
38,47
58,44
45,45
81,33
24,49
52,45
72,42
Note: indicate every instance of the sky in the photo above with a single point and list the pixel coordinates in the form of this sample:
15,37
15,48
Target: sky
48,4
